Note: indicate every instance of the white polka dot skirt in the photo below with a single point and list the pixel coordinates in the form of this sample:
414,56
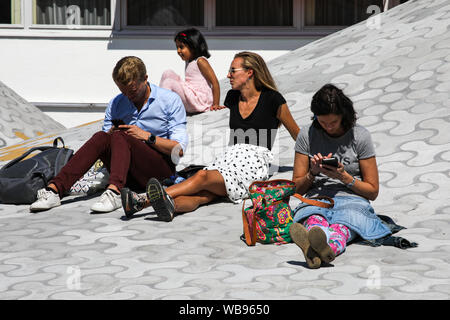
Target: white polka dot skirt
240,165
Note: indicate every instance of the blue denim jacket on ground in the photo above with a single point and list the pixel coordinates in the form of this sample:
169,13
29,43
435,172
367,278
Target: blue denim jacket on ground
389,240
354,212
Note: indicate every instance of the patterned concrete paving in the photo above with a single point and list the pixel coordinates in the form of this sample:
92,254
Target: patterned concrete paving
398,75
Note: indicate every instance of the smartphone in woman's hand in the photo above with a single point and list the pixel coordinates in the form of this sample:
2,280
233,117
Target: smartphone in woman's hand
330,162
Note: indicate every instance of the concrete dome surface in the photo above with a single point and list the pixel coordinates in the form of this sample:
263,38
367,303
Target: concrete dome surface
20,120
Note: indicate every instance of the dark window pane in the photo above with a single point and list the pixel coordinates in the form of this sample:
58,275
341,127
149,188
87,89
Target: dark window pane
73,12
254,13
338,12
5,12
10,12
165,13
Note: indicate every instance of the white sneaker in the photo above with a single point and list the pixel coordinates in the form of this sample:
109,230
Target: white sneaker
109,201
45,200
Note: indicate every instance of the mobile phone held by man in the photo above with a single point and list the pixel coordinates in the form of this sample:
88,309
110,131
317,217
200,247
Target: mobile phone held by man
333,162
116,123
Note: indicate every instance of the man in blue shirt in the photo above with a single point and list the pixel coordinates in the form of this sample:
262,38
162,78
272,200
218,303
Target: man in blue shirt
143,130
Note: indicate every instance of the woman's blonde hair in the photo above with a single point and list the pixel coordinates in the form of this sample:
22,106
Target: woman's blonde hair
129,69
261,74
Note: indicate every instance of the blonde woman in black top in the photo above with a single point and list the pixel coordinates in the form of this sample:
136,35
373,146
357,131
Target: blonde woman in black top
257,109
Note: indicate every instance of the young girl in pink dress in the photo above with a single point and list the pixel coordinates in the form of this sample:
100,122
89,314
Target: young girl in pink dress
200,90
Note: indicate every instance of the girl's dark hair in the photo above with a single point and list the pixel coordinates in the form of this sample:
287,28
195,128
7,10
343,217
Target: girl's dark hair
331,100
195,41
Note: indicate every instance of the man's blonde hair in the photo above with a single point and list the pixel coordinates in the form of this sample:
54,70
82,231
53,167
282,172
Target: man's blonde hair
262,77
129,69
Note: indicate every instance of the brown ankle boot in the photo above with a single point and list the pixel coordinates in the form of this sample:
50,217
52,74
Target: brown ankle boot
299,235
318,241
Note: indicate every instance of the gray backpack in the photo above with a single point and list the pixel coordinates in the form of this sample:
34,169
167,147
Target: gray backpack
21,179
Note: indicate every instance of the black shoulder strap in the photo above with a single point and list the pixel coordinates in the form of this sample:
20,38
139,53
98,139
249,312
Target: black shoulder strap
20,158
55,142
28,152
63,156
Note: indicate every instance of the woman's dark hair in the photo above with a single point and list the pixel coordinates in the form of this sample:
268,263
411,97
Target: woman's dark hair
193,39
331,100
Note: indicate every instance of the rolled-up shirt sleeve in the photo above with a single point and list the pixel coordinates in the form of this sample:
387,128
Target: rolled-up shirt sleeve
176,127
107,120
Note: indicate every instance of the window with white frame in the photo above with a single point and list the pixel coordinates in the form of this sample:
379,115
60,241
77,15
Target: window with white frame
254,13
72,12
338,12
209,14
214,16
161,13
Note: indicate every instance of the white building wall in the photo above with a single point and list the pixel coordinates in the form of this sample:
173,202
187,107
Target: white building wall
78,70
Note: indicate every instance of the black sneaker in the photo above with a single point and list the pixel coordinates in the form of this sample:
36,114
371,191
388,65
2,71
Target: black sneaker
133,202
161,202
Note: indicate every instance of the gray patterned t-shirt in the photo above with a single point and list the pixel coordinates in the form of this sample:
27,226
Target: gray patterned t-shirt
354,145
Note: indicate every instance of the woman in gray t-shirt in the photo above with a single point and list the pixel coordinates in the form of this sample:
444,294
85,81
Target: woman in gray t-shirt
323,233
